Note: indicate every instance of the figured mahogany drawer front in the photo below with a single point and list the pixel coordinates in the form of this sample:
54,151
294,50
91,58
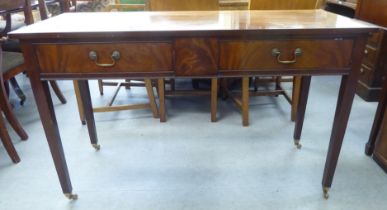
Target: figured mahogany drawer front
196,57
105,58
285,54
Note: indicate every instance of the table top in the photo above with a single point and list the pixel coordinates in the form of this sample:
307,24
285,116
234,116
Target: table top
116,24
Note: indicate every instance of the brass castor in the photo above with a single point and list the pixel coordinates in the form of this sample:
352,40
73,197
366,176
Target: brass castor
71,196
297,143
325,191
96,146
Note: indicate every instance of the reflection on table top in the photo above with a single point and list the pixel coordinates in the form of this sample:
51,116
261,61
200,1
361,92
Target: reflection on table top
191,21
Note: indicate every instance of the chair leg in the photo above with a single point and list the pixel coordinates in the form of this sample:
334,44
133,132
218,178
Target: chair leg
245,101
58,92
278,83
7,109
6,86
223,89
161,94
214,98
7,142
151,96
79,102
172,84
17,90
100,86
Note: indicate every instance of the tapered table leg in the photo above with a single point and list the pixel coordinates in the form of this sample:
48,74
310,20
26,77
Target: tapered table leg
295,96
50,125
301,107
245,101
343,110
214,98
88,111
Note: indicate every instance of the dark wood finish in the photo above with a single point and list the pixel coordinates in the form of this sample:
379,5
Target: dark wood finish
135,57
7,141
196,57
316,54
161,94
88,111
58,92
301,107
245,101
374,63
265,26
7,110
376,144
5,107
343,109
9,8
47,115
380,147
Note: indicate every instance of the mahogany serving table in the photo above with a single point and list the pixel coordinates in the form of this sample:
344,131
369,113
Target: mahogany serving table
214,44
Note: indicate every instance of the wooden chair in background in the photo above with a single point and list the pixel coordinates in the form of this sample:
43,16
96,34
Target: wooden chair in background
194,48
7,8
8,62
279,90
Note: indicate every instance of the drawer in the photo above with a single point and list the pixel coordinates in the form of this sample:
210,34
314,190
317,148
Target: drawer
133,57
370,56
258,55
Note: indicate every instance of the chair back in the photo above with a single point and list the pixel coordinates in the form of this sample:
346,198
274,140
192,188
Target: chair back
183,5
65,6
14,6
284,4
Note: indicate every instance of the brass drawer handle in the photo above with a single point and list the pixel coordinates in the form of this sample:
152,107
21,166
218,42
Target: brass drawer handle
277,53
116,55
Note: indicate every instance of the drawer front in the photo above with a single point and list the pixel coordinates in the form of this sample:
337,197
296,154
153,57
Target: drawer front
196,57
370,56
133,57
258,55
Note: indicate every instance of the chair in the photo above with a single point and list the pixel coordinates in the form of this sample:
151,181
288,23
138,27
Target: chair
7,61
198,5
8,8
279,90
